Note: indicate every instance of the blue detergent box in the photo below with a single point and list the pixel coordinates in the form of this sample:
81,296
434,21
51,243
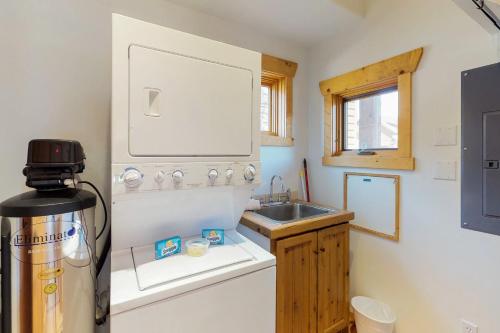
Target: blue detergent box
168,247
214,236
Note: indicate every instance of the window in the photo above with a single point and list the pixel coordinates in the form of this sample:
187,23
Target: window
367,115
265,108
371,121
276,101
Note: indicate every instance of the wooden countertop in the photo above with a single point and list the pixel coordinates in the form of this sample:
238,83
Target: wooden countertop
273,230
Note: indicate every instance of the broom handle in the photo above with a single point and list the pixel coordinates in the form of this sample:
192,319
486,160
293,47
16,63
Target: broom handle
308,198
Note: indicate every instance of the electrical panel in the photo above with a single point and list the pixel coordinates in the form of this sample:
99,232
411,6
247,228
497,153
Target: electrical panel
481,149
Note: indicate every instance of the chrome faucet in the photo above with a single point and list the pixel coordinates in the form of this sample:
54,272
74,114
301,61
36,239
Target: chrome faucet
271,194
271,191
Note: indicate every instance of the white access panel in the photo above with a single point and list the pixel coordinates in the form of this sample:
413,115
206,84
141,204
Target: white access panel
373,199
186,106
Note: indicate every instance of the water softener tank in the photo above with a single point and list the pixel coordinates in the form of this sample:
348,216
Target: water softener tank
48,271
48,246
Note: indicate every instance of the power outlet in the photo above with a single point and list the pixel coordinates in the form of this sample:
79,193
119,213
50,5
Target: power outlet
468,327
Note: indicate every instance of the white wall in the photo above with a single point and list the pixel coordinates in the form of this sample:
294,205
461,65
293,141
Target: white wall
438,272
497,37
55,79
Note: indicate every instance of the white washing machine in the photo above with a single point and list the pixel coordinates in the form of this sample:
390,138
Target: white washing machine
185,157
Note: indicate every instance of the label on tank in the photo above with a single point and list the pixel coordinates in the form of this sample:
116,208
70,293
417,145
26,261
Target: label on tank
42,243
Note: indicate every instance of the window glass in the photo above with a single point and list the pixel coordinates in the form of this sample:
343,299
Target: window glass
265,108
371,121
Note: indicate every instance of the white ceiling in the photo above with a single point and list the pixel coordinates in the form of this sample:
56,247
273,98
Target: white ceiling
305,22
470,8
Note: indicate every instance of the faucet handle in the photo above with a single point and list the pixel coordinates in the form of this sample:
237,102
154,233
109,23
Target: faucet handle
288,195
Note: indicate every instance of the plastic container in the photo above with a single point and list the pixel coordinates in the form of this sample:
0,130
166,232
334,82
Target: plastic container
197,247
372,316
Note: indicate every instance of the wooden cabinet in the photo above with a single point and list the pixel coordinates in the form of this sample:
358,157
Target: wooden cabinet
312,281
333,279
296,279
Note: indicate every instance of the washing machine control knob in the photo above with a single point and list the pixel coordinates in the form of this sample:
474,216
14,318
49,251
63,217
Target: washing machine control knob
177,177
160,177
212,176
249,173
132,177
229,175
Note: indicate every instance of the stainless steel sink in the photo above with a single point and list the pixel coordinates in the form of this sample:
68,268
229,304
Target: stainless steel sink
292,212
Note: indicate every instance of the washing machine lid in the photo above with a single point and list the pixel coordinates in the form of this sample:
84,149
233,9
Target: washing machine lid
41,203
126,295
151,272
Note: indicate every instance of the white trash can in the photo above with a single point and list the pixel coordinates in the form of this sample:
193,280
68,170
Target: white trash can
372,316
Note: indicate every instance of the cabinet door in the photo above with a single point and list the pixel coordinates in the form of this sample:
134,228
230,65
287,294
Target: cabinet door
333,279
297,268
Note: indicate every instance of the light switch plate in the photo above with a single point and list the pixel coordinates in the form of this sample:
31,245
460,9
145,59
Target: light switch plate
445,170
445,136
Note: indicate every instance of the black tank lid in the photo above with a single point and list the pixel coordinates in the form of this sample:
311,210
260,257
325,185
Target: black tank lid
41,203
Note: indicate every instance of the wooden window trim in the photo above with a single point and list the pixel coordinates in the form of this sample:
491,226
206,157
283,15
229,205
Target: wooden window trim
395,71
278,74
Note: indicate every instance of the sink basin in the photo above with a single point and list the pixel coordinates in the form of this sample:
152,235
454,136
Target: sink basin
293,212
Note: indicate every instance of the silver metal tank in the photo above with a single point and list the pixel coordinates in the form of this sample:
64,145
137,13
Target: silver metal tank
48,262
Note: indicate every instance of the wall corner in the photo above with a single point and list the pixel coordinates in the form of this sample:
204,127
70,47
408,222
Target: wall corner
497,41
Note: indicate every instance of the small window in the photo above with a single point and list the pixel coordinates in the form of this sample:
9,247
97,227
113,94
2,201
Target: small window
265,108
276,101
371,121
367,115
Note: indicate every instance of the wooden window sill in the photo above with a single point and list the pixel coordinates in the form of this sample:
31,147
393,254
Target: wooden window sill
274,140
371,162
